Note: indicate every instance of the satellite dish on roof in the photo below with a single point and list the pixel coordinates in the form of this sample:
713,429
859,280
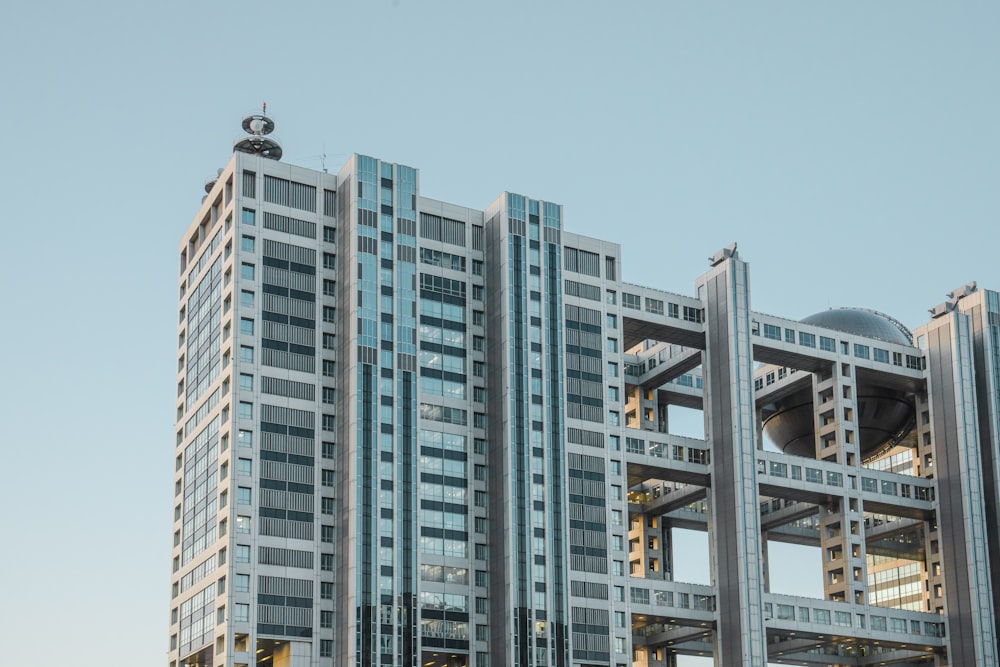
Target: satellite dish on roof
258,125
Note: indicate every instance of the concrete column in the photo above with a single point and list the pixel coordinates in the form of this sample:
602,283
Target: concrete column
842,527
668,553
765,564
932,539
293,654
983,308
961,516
734,514
643,534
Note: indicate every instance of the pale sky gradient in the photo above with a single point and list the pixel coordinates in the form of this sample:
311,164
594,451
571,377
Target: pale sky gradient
851,148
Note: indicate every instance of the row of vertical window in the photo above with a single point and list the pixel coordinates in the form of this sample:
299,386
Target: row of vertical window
656,307
289,193
582,290
446,230
204,312
442,285
205,257
197,619
200,497
827,344
196,575
445,260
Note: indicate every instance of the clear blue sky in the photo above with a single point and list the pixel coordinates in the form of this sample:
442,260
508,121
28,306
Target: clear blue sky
852,148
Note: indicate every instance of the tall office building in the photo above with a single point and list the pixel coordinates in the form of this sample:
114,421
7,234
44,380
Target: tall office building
414,433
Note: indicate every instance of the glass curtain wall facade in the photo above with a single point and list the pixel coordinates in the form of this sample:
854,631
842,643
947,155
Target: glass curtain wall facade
414,433
526,465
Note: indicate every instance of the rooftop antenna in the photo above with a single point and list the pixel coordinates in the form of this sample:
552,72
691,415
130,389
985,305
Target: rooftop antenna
257,125
724,254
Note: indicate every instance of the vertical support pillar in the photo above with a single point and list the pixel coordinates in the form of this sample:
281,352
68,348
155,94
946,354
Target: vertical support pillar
647,417
983,307
653,547
633,406
765,563
293,654
961,514
838,441
668,552
636,544
833,521
734,514
932,540
645,531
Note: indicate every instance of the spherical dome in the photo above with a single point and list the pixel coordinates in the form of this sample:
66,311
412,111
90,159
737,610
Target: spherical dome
862,322
884,414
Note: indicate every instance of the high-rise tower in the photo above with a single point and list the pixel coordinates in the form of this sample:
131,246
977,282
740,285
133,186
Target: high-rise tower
414,433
